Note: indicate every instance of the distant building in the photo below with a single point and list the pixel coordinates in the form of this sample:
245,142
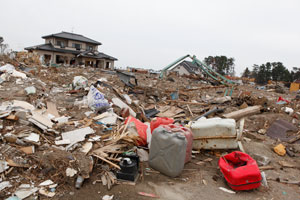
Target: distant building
72,49
295,86
186,68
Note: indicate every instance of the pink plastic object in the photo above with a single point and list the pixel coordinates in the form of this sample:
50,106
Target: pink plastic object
156,122
188,135
141,129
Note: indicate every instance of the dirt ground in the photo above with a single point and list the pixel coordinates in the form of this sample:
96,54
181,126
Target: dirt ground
198,182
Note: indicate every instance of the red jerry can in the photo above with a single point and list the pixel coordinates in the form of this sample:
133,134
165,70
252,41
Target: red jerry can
157,121
240,171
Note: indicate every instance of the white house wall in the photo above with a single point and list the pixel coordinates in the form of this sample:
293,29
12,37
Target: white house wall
181,70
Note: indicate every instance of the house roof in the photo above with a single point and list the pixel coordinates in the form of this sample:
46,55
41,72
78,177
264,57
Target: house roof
72,36
96,54
189,66
89,54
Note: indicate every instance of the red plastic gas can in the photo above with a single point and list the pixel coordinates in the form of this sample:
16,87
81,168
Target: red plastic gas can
157,121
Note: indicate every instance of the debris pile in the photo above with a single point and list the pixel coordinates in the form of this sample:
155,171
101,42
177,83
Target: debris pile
59,125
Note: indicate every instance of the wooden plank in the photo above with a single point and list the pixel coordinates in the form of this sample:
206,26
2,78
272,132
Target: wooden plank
243,112
107,161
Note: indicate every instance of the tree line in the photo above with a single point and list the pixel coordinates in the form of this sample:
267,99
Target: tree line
274,71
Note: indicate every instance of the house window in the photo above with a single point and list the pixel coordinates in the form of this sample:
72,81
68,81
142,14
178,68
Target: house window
76,46
89,47
107,65
61,44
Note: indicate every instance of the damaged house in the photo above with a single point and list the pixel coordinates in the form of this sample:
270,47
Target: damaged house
72,49
186,68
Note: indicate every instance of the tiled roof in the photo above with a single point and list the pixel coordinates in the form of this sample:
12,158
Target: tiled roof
72,36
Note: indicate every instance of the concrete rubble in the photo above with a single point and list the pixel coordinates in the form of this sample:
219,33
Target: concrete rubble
61,123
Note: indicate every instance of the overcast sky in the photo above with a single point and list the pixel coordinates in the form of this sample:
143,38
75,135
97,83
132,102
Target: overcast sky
154,33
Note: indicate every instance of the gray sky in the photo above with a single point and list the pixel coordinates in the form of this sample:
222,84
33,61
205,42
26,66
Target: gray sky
152,34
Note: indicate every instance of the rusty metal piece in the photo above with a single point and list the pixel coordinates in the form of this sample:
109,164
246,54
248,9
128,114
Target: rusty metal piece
279,128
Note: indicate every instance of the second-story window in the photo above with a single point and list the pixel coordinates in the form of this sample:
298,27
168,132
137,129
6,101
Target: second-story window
89,47
61,44
76,46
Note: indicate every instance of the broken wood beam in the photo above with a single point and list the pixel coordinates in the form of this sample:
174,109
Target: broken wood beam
186,102
107,161
295,138
243,112
267,167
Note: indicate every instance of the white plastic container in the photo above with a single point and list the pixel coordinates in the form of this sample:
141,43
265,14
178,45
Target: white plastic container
214,133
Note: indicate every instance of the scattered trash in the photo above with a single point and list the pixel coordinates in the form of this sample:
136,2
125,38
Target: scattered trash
107,197
143,155
226,190
107,118
86,148
75,136
3,166
25,190
148,194
264,181
46,183
174,96
45,192
54,134
288,110
281,101
222,100
79,82
71,172
129,169
280,149
30,90
261,160
96,100
118,102
4,184
33,137
79,182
